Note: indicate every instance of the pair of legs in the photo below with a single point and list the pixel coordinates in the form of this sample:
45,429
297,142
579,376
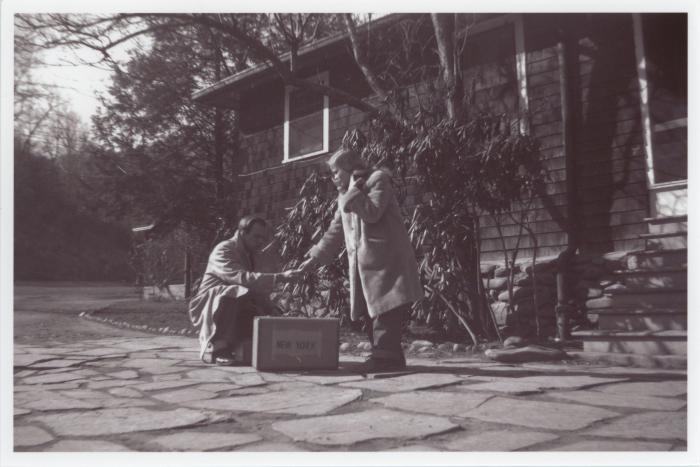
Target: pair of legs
384,334
234,329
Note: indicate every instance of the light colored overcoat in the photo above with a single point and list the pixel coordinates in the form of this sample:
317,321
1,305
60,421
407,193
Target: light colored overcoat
232,272
380,255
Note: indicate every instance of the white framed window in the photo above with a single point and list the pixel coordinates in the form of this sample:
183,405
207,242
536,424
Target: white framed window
662,64
498,83
306,121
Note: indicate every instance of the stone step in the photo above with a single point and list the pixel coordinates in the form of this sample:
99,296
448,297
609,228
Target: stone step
654,259
665,241
650,321
666,362
658,225
634,342
661,278
640,299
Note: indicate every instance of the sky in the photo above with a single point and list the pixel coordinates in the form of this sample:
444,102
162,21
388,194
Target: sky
77,83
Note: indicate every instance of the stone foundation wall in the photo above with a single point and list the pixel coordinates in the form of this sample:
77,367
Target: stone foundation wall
534,292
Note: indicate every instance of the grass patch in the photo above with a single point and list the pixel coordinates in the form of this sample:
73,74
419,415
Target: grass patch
149,313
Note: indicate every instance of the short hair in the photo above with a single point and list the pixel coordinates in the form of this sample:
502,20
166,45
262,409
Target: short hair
248,222
347,159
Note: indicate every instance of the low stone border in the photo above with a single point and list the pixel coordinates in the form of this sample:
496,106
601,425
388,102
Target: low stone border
138,327
420,347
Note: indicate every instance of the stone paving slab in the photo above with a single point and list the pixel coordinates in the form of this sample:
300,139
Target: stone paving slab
535,384
28,436
125,392
326,379
56,363
566,381
170,376
186,355
304,400
254,390
512,387
504,369
110,383
112,363
362,426
633,371
211,375
146,363
620,400
126,374
499,440
649,425
51,378
276,377
105,352
466,361
217,387
607,446
184,395
105,400
44,387
539,415
45,401
201,441
26,360
158,370
161,385
433,402
271,447
76,445
119,420
248,379
664,388
410,382
414,448
85,372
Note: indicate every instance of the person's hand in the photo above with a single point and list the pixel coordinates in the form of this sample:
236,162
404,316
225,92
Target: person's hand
290,275
356,182
308,265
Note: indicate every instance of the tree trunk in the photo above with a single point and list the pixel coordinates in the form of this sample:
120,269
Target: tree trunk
218,135
444,26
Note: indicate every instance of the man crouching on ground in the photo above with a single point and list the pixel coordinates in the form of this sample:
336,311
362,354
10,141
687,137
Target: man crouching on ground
235,288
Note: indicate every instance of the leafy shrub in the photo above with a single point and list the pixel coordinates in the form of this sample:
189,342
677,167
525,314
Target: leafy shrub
458,172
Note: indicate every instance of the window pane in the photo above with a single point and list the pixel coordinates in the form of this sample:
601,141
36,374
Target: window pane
490,77
305,122
670,149
666,52
306,134
303,102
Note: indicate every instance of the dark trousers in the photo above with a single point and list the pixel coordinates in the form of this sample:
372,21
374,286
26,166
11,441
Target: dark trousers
385,333
234,321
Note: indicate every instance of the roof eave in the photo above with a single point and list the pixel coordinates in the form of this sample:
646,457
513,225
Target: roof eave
231,83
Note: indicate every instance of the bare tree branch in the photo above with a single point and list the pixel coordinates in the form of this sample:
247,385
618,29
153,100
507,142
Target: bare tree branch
360,57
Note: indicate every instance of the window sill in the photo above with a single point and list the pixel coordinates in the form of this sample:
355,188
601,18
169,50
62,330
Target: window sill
306,156
677,184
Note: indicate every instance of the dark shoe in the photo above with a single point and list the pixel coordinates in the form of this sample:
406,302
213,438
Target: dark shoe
380,365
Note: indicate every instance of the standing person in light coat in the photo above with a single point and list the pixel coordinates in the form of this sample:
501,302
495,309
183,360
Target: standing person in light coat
383,272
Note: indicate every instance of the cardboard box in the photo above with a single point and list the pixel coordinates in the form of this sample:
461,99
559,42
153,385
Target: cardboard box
295,343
